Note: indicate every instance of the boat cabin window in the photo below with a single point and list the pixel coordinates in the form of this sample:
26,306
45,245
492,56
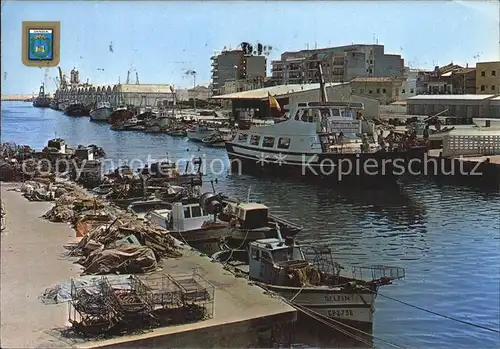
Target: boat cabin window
196,211
187,212
283,255
325,112
268,142
284,143
264,255
335,112
254,140
242,138
255,254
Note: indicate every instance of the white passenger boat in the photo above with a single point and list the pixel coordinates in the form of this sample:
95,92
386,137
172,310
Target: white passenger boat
101,112
321,140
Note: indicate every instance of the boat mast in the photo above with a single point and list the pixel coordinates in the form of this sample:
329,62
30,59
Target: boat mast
322,87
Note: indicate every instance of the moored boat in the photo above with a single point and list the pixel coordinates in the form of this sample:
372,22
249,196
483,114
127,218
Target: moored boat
76,109
42,100
219,138
317,287
320,140
200,132
177,132
189,222
101,112
120,113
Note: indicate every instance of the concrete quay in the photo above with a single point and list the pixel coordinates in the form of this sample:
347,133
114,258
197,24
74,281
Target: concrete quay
243,315
478,170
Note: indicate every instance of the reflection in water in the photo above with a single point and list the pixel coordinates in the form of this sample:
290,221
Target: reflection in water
447,237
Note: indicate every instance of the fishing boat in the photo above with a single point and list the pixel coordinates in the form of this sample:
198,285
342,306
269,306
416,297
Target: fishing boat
317,287
319,140
76,109
42,100
177,132
189,222
251,221
132,124
200,132
101,112
120,113
219,138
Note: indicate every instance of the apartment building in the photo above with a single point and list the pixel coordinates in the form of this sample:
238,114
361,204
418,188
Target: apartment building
488,77
342,63
235,65
384,89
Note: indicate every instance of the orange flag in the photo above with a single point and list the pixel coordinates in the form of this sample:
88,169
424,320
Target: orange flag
273,102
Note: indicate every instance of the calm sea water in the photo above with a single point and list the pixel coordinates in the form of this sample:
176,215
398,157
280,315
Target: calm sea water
446,237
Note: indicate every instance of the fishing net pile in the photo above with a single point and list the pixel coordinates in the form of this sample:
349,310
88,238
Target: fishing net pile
125,245
71,203
301,274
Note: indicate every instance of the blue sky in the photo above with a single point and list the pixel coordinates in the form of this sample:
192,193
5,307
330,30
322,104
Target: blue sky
162,40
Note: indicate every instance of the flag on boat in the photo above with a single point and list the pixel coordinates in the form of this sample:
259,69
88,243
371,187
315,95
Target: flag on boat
273,102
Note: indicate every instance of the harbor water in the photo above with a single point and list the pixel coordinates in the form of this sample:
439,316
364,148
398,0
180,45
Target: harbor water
446,237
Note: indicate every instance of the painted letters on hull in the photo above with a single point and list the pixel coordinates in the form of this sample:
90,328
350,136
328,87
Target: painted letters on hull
330,298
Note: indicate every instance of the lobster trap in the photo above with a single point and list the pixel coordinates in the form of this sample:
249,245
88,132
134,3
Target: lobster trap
181,298
91,309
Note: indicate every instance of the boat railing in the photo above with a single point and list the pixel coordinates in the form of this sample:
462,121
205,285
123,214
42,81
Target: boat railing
377,272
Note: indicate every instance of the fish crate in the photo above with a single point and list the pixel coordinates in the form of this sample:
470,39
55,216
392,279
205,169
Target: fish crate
164,290
378,273
91,310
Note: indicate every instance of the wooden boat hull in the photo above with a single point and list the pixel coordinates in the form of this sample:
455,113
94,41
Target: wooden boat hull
76,110
354,307
177,133
213,233
101,114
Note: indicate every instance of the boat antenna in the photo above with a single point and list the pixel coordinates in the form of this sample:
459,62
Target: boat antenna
248,194
322,87
278,232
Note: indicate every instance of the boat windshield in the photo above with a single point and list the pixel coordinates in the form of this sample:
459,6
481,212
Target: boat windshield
287,254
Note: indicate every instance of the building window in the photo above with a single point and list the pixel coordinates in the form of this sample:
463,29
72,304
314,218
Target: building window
352,91
268,142
242,137
254,140
371,61
483,73
412,91
403,91
482,87
370,91
370,70
284,143
378,90
493,87
383,90
362,90
493,73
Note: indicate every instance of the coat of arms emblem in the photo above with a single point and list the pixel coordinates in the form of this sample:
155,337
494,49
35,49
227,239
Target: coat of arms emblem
40,44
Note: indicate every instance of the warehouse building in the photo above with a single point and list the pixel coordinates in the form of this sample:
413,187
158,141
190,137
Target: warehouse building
257,100
460,107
